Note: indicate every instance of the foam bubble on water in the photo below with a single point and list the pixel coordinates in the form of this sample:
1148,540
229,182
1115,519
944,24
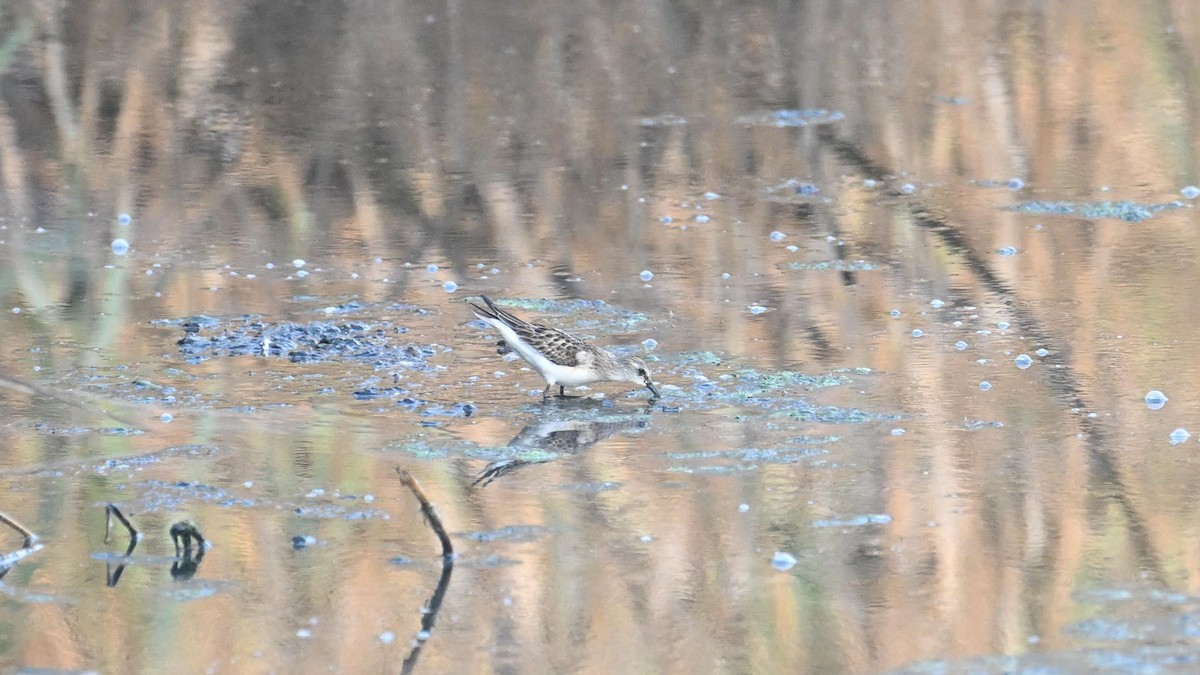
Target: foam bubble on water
1015,184
449,287
985,385
302,273
1003,325
124,219
666,220
783,561
742,508
1155,399
431,268
725,275
120,246
387,637
937,303
1043,352
1023,361
702,219
793,248
649,343
894,313
1190,192
1007,250
711,196
960,345
166,418
1179,436
298,263
917,332
778,236
757,309
646,275
908,188
897,431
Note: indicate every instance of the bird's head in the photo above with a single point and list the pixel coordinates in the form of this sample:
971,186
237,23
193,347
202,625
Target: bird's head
635,370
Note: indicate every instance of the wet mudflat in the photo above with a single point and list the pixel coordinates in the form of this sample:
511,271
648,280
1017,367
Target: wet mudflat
918,289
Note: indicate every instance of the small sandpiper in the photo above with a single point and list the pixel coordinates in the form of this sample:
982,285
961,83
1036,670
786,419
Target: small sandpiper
561,358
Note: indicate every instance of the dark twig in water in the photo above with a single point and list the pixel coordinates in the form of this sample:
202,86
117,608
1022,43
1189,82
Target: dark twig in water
30,537
439,593
185,532
431,516
111,510
28,547
113,577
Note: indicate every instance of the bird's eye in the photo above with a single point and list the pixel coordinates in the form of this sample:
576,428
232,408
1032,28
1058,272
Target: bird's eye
642,372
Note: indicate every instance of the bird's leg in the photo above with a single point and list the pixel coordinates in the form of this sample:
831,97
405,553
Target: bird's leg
546,393
562,392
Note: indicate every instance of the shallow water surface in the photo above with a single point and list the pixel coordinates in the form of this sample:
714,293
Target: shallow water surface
904,273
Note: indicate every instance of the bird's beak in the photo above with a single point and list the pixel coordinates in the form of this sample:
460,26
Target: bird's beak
653,390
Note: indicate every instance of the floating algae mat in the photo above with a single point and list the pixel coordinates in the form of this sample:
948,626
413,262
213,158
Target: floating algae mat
1124,210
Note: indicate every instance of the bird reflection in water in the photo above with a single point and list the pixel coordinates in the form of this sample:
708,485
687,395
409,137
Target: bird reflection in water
546,441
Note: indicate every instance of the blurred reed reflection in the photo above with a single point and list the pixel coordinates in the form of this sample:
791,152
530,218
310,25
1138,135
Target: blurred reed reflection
569,148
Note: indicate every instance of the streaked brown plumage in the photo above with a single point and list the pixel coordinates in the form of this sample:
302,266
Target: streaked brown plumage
561,358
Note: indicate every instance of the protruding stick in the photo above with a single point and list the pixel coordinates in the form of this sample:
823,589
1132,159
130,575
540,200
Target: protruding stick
8,520
111,510
431,515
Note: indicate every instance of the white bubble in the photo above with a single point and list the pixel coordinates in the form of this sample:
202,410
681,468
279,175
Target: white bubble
431,268
166,418
1179,436
1023,361
646,275
778,236
937,303
120,246
1003,325
725,275
1155,399
757,309
783,561
897,431
1043,352
649,343
743,508
124,219
298,263
894,313
960,345
702,219
985,385
16,310
449,287
387,637
917,332
302,273
1190,192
